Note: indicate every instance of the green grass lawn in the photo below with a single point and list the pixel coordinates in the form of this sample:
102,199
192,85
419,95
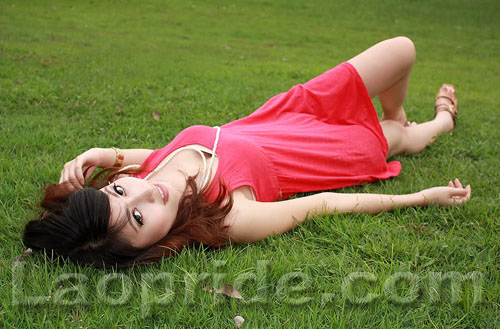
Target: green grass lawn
82,74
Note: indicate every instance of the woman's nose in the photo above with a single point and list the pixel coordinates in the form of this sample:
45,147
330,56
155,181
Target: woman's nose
145,195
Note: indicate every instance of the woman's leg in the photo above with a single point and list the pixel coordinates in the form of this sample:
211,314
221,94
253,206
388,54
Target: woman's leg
414,138
385,70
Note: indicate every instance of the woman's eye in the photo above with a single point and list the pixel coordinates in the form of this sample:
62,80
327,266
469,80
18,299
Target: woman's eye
118,189
138,217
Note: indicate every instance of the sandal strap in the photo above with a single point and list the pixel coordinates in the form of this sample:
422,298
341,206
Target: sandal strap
453,102
451,108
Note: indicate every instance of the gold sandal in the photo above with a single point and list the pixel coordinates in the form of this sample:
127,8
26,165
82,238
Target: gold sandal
449,107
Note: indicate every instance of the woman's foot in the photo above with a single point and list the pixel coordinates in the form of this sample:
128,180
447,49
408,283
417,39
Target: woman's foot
446,105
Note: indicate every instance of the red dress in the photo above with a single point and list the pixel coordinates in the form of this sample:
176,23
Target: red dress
320,135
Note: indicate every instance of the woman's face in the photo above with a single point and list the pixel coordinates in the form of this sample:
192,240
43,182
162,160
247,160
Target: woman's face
150,208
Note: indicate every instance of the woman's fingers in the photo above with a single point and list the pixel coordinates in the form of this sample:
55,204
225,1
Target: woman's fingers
460,194
455,183
65,174
450,195
79,173
458,191
79,169
461,190
73,173
469,191
70,176
89,171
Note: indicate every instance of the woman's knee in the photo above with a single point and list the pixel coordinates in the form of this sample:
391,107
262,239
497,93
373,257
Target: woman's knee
406,49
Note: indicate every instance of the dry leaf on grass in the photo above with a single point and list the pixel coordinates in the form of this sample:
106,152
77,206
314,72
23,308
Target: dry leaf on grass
156,115
239,321
19,258
227,290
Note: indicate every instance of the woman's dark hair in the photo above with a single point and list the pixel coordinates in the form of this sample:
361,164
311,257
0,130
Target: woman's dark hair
75,224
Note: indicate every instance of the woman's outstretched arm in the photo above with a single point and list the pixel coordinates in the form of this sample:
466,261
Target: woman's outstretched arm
253,221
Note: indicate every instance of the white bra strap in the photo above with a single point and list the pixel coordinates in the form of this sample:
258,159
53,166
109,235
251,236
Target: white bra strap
208,170
132,166
204,174
164,162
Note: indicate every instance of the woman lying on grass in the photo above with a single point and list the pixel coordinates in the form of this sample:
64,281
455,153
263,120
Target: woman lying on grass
213,185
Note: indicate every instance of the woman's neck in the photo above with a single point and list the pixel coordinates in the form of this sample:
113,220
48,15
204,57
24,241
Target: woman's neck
187,162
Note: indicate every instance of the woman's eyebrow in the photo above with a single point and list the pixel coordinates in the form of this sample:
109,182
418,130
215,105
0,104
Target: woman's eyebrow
127,212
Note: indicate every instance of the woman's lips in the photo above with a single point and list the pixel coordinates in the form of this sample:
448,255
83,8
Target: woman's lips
163,192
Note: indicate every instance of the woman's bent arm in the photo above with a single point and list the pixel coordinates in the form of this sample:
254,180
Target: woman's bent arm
131,156
253,221
80,168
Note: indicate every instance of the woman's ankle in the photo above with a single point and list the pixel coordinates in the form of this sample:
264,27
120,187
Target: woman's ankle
445,120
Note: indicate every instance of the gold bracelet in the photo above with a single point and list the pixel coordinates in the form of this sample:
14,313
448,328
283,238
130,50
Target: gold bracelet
119,157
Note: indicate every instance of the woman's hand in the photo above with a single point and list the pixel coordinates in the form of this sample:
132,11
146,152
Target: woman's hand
449,195
80,168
